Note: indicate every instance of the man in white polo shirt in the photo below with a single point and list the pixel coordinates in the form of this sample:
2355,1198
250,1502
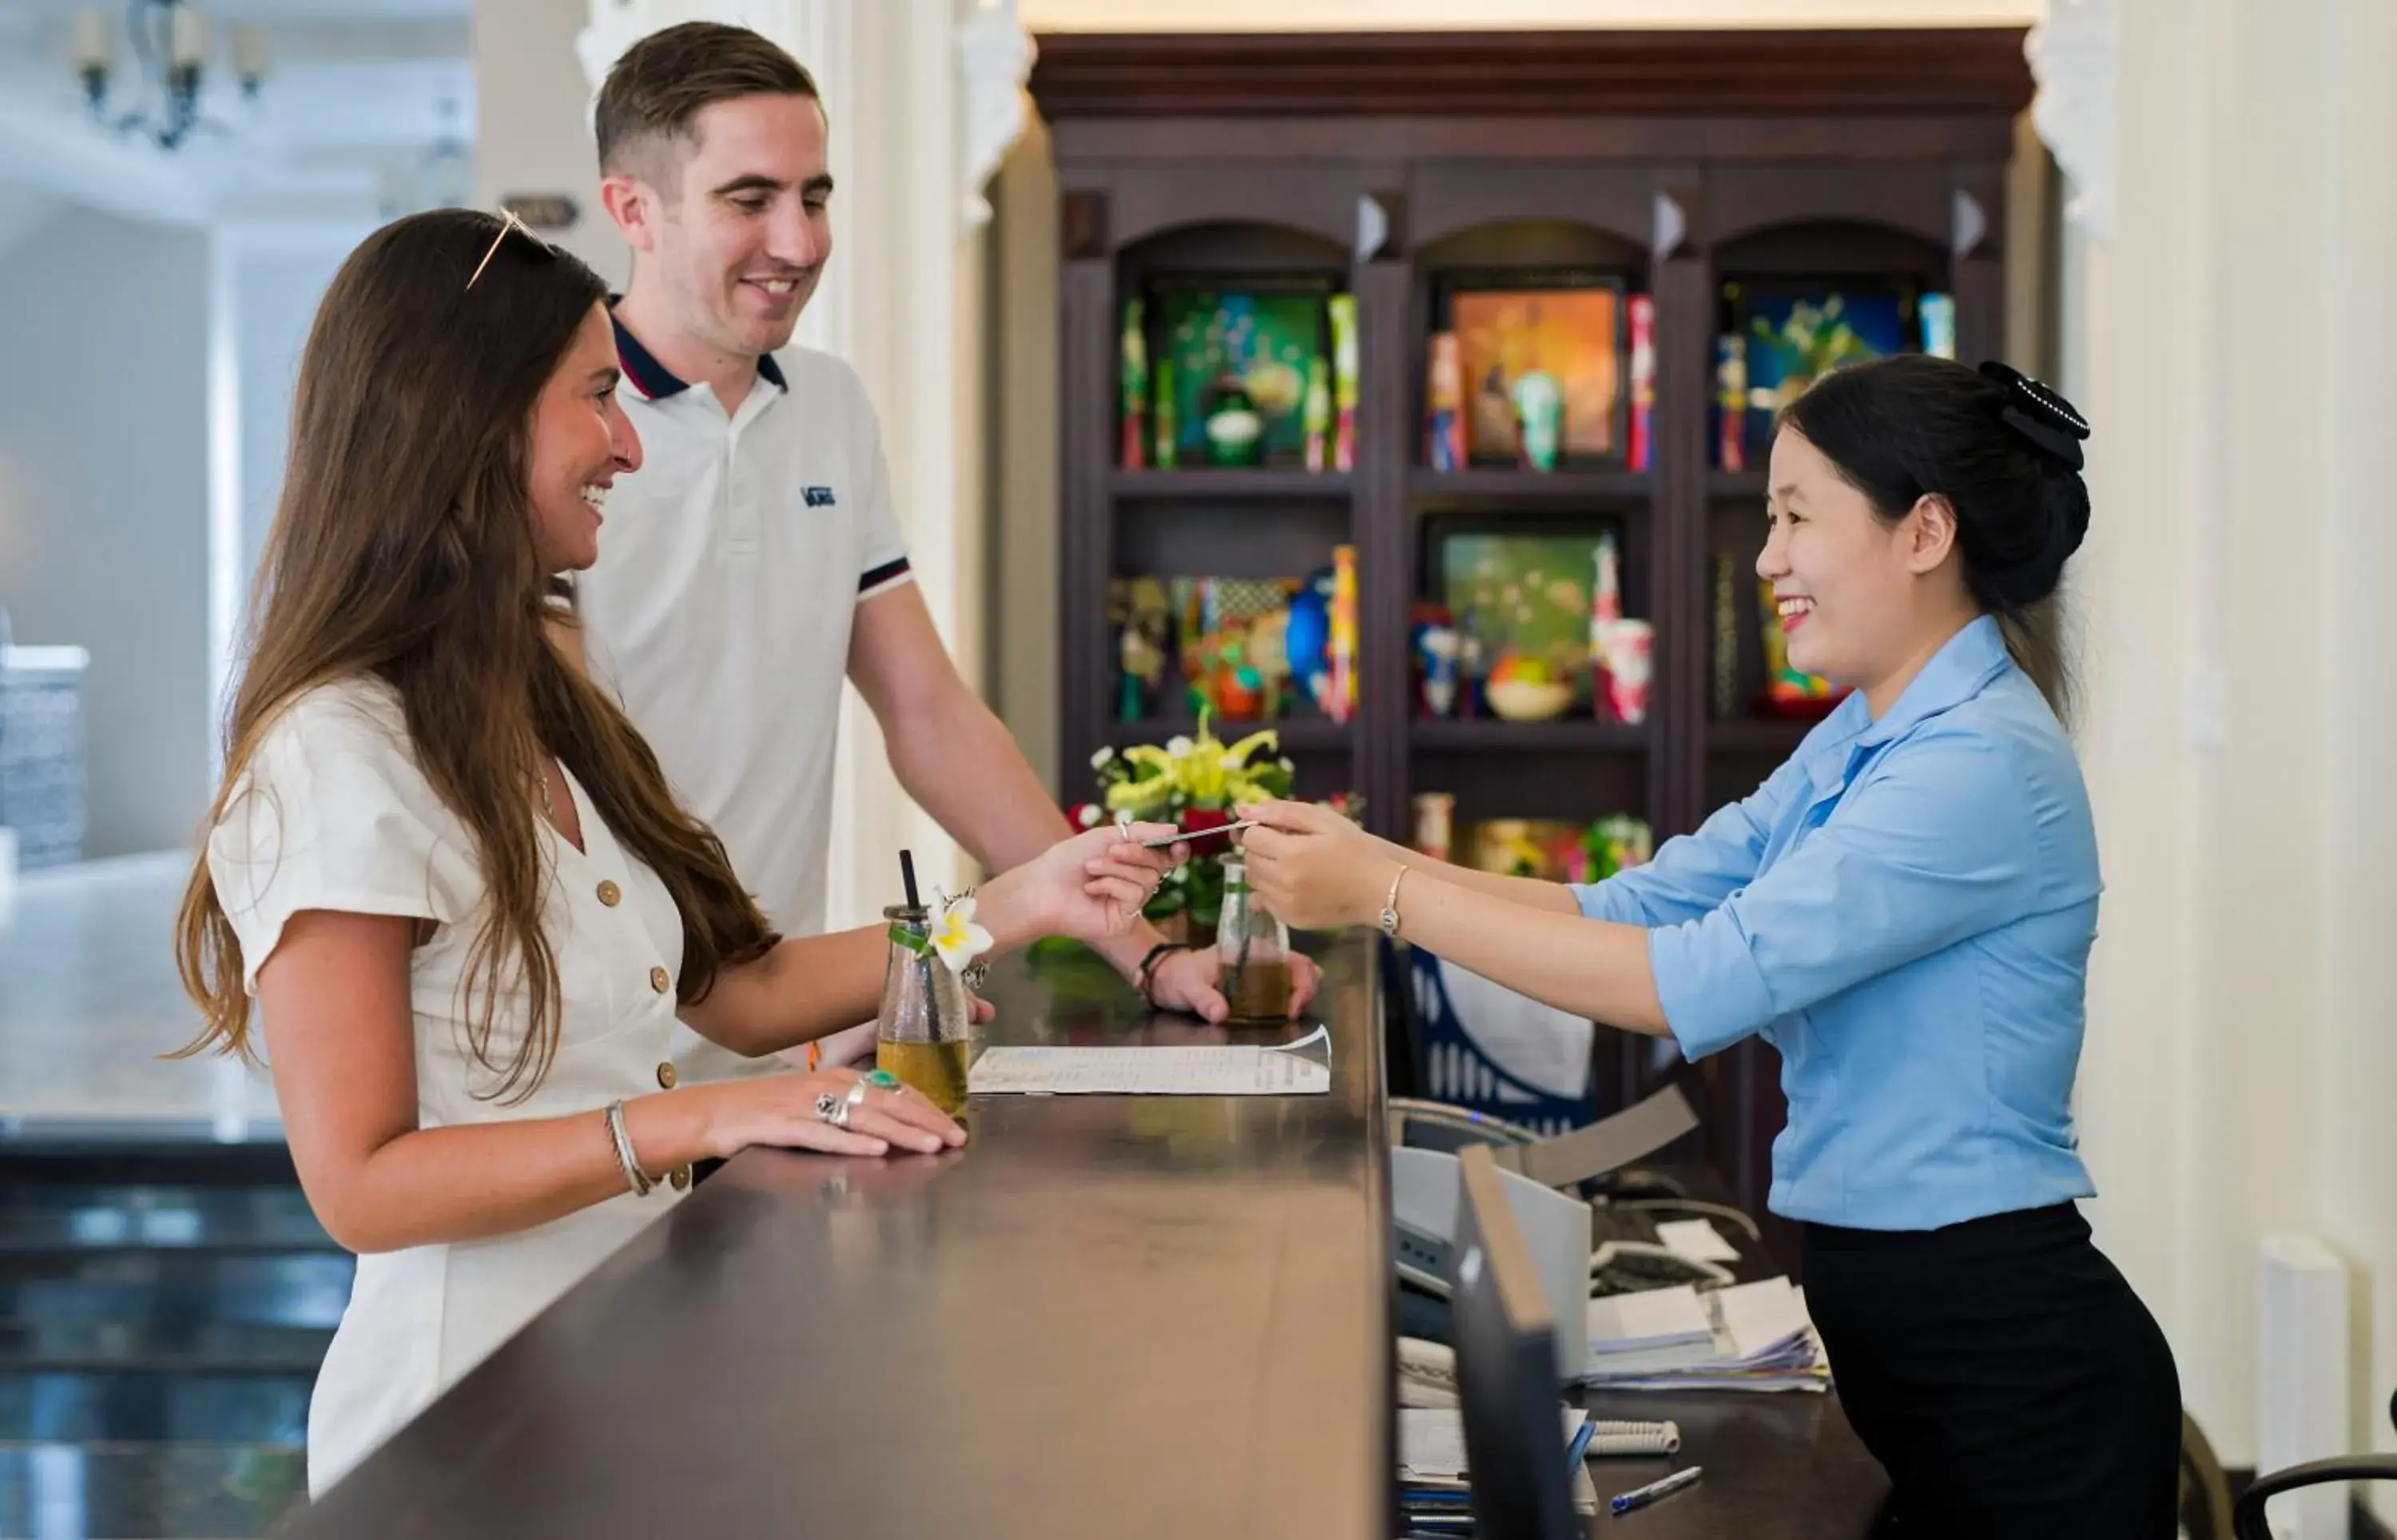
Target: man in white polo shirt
754,561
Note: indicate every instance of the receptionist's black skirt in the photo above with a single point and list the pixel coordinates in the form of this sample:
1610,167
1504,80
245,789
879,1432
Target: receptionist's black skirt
2004,1375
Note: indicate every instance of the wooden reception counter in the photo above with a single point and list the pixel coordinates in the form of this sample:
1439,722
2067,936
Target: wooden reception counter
1105,1315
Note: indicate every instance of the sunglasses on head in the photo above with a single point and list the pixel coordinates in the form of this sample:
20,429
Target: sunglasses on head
508,221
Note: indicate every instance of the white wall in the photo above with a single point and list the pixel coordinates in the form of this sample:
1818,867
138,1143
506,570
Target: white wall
277,277
1135,15
103,501
1023,605
2226,337
532,121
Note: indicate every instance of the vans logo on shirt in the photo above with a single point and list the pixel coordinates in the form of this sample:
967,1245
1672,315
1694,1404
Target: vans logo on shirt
819,497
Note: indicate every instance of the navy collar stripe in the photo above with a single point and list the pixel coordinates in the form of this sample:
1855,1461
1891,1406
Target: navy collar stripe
650,377
656,381
882,574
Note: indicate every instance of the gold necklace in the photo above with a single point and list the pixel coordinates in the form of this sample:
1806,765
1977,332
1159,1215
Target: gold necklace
548,802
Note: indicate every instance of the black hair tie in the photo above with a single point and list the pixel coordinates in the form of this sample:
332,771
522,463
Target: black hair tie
2039,413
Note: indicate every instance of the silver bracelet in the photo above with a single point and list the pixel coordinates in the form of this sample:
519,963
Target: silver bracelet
625,1157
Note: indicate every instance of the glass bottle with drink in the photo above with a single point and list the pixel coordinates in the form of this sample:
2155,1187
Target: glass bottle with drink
925,1023
1254,946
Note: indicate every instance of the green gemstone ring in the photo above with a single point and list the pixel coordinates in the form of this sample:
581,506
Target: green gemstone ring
883,1079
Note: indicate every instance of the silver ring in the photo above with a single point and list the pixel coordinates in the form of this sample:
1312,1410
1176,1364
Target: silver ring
857,1092
832,1110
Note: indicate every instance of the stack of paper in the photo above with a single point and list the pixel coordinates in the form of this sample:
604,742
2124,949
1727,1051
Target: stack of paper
1753,1336
1237,1069
1649,1331
1434,1481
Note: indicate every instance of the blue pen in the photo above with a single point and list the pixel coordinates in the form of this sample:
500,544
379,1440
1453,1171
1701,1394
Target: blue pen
1580,1444
1642,1497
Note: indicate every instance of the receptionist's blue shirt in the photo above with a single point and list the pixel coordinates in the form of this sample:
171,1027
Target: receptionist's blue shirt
1905,910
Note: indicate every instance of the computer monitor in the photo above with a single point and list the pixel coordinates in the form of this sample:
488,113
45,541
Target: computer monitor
1505,1337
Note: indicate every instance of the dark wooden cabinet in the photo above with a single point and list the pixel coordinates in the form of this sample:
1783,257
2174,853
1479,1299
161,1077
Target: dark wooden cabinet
1387,163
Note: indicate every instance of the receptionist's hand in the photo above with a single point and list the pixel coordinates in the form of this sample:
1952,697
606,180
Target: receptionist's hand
1313,867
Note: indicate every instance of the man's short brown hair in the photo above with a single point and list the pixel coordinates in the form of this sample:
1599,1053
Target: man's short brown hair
659,87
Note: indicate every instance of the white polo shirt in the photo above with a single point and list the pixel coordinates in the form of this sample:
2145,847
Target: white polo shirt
731,566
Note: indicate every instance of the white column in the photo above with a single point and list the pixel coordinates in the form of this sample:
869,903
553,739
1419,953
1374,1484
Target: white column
2225,320
919,95
2355,1145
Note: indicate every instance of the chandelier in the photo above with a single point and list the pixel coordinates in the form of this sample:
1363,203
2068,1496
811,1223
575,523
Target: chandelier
169,42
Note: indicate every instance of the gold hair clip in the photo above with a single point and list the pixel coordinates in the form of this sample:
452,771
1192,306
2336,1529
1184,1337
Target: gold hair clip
508,221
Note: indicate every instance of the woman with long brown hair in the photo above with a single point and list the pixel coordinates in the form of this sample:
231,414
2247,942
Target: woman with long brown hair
450,874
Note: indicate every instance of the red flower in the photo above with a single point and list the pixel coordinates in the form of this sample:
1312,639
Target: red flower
1084,816
1201,823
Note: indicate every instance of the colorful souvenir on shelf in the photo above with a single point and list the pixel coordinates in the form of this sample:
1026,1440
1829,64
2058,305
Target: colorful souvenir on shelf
1133,408
1939,325
1318,416
1522,597
1550,849
1144,627
1605,609
1631,645
1307,640
1224,638
1235,427
1231,366
1539,417
1435,643
1444,406
1642,312
1341,312
1796,332
1435,816
1522,689
1571,334
1724,698
1521,847
1340,692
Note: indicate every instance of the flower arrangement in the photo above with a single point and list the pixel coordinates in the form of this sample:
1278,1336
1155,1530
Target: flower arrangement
1193,783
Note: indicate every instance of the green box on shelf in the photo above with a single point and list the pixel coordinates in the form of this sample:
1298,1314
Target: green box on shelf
1260,340
1524,594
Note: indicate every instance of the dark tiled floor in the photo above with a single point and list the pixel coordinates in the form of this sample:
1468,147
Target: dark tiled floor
166,1296
163,1310
142,1490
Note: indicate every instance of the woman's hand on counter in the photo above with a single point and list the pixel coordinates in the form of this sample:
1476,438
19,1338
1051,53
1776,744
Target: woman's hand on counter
782,1111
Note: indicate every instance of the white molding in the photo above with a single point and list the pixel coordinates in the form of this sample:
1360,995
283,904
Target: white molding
615,26
2073,52
994,61
65,153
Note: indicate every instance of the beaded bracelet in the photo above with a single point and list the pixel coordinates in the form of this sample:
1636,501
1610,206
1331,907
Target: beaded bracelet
1148,964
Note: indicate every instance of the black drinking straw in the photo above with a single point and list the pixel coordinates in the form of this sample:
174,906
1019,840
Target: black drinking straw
907,875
